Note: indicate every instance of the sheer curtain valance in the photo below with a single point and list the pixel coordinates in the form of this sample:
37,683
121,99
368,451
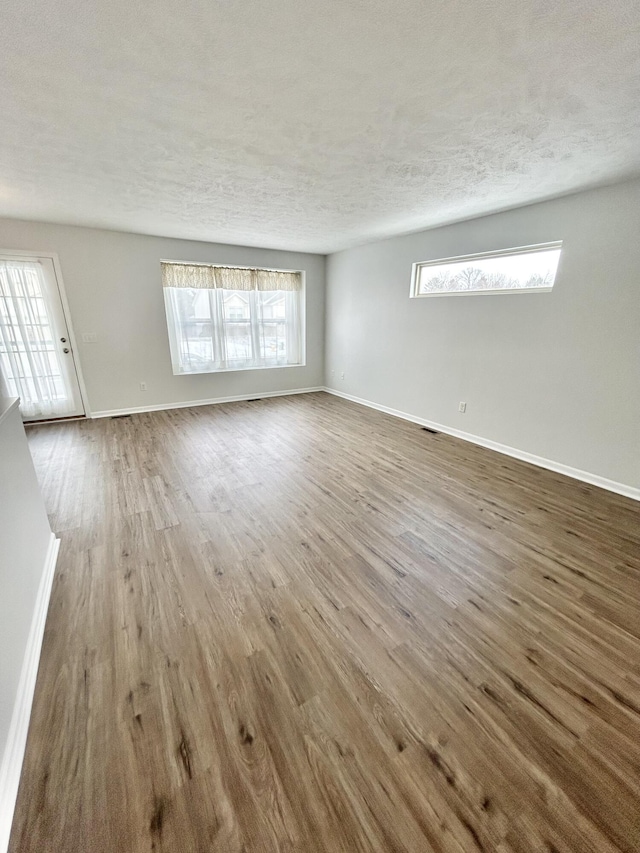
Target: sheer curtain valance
207,277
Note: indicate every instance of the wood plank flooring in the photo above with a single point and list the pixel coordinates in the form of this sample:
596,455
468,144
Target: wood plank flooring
301,625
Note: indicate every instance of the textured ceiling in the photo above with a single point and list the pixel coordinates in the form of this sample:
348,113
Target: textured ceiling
310,125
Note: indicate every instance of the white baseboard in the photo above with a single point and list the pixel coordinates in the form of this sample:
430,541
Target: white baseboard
540,461
17,739
160,407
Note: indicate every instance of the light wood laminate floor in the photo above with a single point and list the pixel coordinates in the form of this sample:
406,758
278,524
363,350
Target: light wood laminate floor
301,625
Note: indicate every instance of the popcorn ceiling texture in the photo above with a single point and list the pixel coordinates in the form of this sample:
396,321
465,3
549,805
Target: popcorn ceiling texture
310,125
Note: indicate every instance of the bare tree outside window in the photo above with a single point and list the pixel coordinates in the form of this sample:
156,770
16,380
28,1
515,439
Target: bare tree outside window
528,269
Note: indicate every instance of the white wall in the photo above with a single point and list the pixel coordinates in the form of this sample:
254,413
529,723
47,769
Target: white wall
113,286
25,547
25,538
556,375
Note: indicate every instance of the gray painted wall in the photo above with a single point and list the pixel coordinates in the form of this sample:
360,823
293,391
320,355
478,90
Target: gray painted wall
556,375
25,538
112,280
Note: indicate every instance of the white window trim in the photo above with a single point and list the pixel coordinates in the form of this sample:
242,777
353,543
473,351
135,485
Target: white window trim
518,250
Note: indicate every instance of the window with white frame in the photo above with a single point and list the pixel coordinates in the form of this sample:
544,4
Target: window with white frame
522,270
232,318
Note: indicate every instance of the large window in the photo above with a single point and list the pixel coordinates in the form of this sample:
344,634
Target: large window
527,269
232,318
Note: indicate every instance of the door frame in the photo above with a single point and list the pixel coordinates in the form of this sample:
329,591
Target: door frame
55,260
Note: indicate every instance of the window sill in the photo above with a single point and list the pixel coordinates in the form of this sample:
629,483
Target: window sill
508,292
237,369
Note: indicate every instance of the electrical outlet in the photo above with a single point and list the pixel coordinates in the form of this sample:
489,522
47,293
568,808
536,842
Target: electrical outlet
342,375
143,386
462,407
333,373
89,338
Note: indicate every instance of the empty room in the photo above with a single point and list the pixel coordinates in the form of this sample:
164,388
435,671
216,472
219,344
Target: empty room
320,427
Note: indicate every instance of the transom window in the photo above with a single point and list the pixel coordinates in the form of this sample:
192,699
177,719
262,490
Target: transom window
232,318
526,269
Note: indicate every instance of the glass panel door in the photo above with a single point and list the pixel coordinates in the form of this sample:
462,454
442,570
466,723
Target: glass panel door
36,361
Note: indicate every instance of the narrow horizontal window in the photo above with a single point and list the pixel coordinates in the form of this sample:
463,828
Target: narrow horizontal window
526,269
232,318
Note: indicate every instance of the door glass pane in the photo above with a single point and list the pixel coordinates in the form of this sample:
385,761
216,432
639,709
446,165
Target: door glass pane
29,355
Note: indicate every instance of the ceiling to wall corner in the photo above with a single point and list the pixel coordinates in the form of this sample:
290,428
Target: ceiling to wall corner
310,125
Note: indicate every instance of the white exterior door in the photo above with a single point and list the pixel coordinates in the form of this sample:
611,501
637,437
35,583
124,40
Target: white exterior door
36,359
